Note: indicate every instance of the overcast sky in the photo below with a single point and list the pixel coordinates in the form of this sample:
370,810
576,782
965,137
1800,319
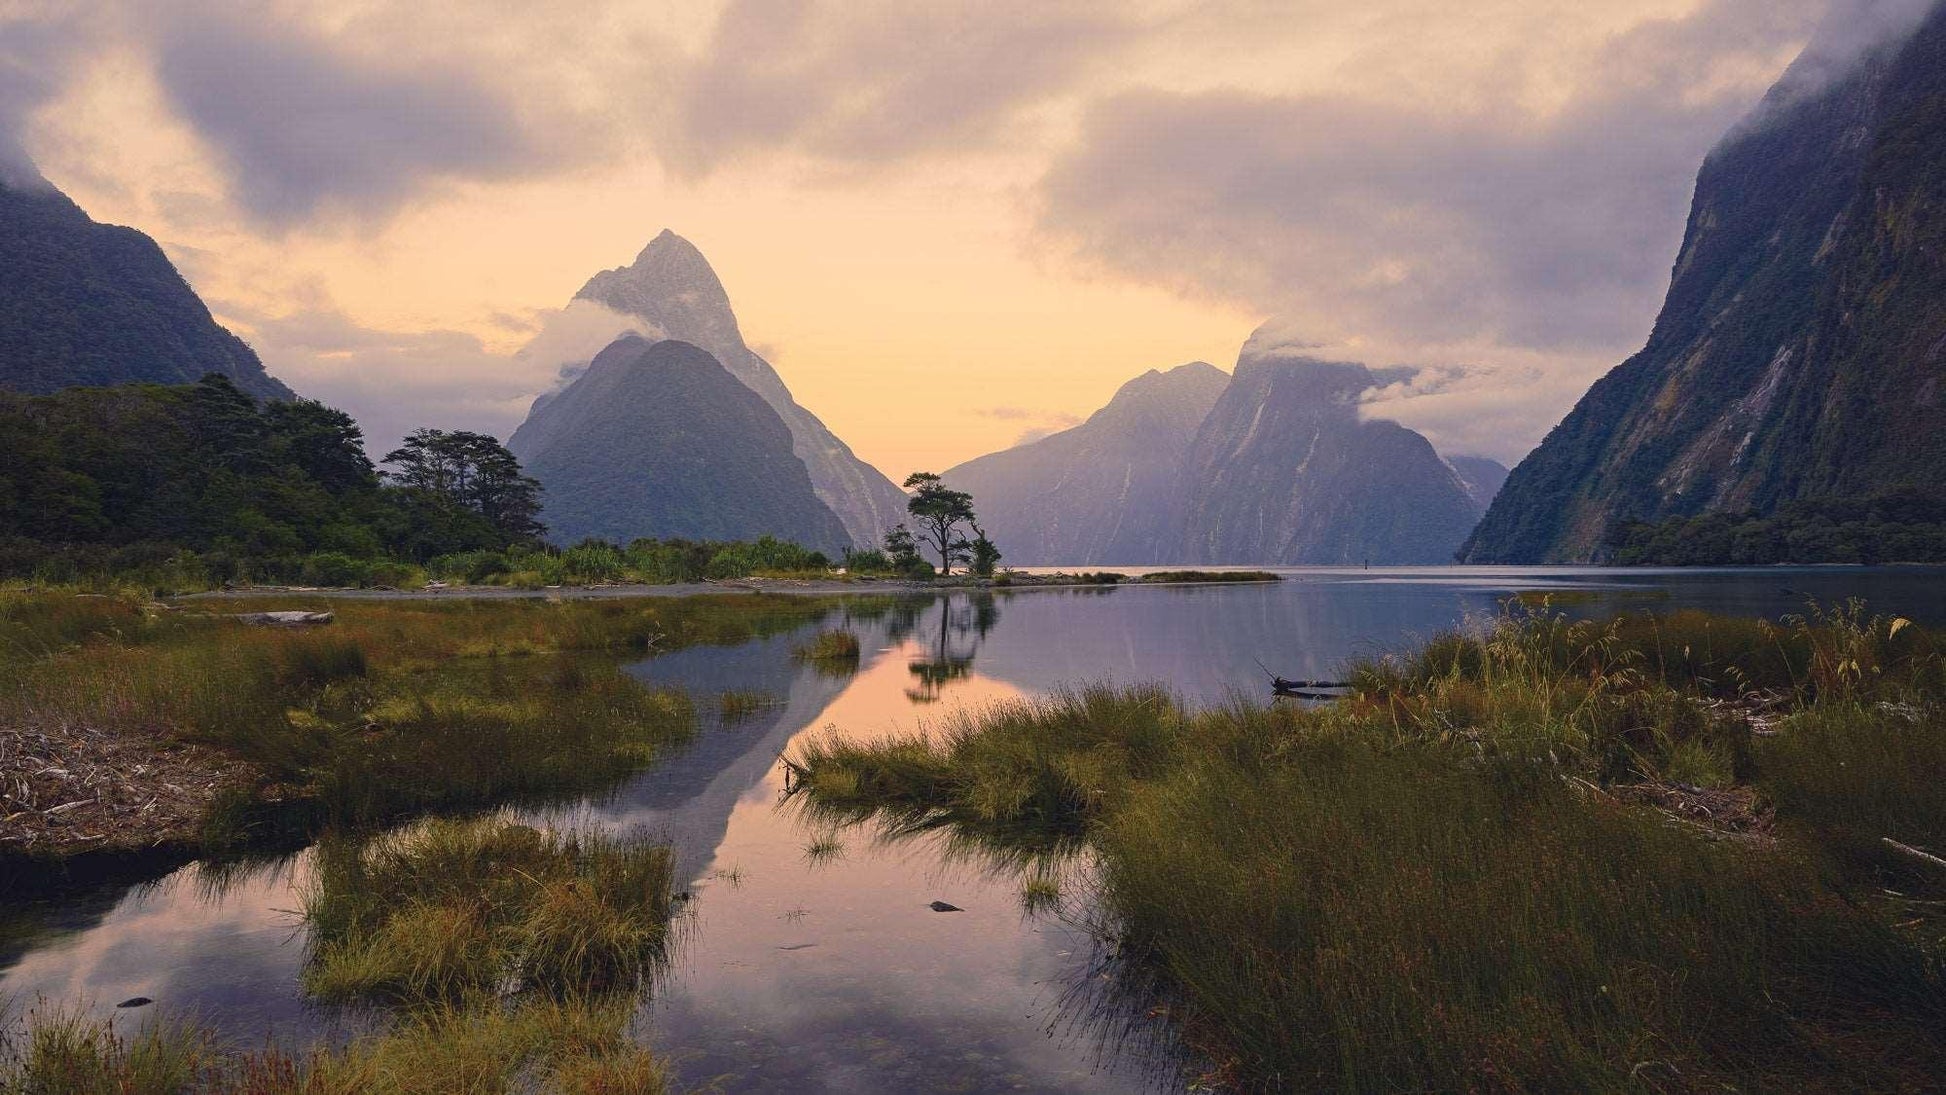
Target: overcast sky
949,224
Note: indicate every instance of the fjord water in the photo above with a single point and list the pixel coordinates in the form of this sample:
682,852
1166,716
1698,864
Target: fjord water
810,966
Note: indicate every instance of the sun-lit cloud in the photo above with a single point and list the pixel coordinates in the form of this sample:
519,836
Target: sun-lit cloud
917,206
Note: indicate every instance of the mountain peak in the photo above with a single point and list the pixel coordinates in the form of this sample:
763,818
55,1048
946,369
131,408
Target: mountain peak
673,287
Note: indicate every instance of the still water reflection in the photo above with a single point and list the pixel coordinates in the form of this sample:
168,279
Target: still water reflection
813,967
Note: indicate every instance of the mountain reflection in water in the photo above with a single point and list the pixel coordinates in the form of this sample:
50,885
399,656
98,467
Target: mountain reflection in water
811,959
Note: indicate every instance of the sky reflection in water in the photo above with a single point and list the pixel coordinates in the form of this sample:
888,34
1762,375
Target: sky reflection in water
829,972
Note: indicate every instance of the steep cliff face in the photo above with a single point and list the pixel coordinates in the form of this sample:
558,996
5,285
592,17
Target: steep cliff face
1283,470
1482,476
672,286
659,439
1103,491
1801,352
89,304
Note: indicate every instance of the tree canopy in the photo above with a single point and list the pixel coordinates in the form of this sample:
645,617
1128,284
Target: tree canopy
208,469
939,511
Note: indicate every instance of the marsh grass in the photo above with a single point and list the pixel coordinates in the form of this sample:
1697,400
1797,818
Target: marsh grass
832,653
396,707
571,1047
451,909
736,705
1439,883
65,1051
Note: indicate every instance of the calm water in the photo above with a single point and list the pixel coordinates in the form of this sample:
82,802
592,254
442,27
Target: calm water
821,973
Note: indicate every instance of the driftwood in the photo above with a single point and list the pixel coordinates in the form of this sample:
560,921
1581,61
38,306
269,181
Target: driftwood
1913,852
66,788
283,619
1308,690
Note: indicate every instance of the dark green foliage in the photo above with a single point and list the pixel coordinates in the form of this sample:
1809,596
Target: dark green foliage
1801,352
982,554
202,466
87,304
468,472
940,511
1904,526
201,483
902,551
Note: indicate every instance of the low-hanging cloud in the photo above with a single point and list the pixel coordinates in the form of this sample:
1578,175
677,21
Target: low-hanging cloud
393,382
1368,219
38,47
306,125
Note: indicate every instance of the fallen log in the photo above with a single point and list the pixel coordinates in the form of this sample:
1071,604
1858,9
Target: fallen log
1914,852
1285,687
283,619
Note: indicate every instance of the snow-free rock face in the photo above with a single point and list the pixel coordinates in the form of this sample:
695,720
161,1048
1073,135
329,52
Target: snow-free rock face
1283,470
658,439
1801,352
672,286
1273,465
89,304
1103,491
1482,475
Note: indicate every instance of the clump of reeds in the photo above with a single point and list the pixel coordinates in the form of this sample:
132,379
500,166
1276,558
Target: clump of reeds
451,909
65,1051
834,651
736,705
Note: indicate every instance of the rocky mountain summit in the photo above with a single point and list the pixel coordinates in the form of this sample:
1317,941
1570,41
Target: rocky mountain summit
672,287
1103,491
1285,470
1274,464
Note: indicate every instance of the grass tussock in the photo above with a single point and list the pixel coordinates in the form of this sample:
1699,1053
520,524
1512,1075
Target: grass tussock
1477,871
835,650
453,909
739,704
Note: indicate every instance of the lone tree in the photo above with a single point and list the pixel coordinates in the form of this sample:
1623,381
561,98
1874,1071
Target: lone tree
939,511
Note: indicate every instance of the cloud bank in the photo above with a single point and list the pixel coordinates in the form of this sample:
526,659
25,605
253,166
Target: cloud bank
1504,225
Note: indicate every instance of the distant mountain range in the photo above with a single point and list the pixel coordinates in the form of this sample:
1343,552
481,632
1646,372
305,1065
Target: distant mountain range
1801,353
1271,465
1105,490
89,304
671,286
659,439
1284,470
